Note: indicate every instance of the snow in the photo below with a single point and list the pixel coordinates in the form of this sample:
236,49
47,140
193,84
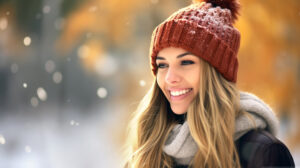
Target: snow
74,123
102,92
50,66
2,139
196,18
42,94
46,9
27,149
106,65
93,141
57,77
192,32
34,102
25,85
142,83
27,41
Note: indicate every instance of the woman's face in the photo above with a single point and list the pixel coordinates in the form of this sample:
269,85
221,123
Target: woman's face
178,76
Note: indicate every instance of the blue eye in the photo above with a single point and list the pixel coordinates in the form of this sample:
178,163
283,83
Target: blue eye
187,62
161,65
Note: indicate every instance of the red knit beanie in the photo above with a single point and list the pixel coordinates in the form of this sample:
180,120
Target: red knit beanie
204,28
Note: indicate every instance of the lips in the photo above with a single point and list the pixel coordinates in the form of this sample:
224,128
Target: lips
179,94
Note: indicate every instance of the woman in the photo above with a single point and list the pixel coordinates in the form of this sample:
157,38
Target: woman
193,115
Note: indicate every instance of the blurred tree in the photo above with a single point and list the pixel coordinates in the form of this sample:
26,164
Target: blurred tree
68,6
25,13
29,13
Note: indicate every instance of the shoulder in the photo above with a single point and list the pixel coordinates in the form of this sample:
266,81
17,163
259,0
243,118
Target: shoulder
258,148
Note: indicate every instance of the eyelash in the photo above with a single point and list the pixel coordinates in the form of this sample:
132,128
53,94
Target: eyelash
187,62
162,65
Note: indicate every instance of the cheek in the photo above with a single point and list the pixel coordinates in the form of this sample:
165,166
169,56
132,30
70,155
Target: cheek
161,83
194,80
160,79
197,85
160,86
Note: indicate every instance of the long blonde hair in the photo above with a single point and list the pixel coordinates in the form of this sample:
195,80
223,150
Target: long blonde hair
210,116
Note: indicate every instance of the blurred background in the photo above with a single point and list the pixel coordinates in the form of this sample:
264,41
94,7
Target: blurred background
72,72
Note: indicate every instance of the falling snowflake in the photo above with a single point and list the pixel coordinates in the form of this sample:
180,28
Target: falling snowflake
49,66
25,85
72,122
57,77
46,9
2,140
27,41
34,102
106,65
142,83
102,92
42,94
27,149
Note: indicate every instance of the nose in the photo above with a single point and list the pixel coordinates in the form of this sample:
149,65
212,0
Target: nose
173,76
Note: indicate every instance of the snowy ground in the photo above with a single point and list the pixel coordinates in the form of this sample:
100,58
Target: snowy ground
71,141
68,142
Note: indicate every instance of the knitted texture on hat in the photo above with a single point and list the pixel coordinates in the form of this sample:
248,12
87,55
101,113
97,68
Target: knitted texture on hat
206,31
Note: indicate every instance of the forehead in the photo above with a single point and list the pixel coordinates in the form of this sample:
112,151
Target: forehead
171,51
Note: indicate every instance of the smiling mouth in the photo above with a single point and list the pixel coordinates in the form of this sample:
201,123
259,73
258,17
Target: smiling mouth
180,92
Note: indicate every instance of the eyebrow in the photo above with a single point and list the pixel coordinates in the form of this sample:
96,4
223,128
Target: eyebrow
179,56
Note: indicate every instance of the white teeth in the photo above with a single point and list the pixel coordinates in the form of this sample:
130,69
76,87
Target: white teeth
181,92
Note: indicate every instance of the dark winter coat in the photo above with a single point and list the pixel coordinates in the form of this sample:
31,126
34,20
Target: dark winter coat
259,148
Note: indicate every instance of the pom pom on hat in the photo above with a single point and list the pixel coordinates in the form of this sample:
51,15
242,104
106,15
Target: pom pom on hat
232,5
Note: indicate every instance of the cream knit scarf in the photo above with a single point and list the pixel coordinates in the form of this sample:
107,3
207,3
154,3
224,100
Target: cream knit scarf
181,146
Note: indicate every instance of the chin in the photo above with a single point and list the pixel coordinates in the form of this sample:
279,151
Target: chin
178,111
